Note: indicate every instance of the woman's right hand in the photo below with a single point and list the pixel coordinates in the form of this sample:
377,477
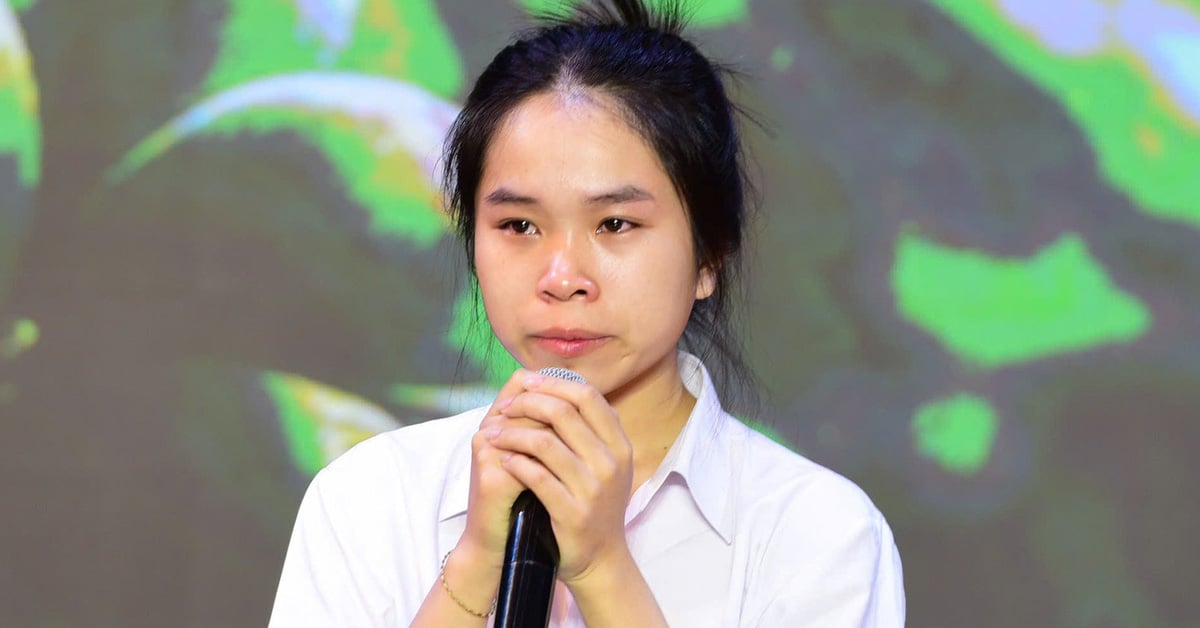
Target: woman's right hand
493,489
472,569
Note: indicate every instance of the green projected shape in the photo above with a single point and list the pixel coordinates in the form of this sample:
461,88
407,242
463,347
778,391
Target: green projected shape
782,58
769,431
24,336
380,135
398,197
443,400
320,423
995,311
299,424
22,5
703,13
1125,95
20,129
956,432
404,39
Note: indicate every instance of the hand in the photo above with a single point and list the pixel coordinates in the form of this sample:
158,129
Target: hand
493,488
565,442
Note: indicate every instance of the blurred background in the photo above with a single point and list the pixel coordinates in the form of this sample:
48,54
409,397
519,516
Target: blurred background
975,291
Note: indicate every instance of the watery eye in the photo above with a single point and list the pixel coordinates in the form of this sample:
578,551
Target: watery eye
615,225
523,227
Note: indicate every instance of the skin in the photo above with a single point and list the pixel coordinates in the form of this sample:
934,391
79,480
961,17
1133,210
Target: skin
585,260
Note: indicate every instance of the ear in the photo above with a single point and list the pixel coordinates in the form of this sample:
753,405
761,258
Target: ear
706,283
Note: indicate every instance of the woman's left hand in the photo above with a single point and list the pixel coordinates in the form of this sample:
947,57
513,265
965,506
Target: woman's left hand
579,463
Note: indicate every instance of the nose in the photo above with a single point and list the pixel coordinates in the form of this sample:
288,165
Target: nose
566,277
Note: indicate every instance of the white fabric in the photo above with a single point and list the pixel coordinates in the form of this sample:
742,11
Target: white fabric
732,530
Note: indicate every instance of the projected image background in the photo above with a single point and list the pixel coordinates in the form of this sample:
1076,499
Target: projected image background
975,288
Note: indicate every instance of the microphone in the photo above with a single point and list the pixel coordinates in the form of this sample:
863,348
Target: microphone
530,555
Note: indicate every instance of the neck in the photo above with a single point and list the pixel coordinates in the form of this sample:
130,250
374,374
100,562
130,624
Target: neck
653,410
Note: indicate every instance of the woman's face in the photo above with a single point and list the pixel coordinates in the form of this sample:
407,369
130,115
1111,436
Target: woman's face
582,246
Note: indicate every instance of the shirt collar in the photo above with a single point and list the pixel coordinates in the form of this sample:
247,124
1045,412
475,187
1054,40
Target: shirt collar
697,456
700,455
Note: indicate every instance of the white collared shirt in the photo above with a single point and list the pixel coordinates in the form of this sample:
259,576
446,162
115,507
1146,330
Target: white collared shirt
732,530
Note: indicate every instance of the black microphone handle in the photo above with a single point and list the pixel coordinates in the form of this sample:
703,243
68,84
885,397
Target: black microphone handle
530,555
530,565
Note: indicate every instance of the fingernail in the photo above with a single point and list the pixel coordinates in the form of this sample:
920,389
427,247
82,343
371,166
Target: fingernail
505,457
504,403
493,433
533,382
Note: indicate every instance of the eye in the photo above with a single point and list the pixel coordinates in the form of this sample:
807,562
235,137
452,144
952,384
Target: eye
519,227
615,225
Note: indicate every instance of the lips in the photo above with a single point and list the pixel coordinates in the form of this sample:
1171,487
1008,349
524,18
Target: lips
569,343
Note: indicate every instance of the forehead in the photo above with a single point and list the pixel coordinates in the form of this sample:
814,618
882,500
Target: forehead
578,105
569,130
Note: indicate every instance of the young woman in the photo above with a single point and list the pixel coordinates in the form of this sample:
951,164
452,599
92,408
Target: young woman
595,177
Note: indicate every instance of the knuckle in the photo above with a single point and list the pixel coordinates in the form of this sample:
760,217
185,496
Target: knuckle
590,490
540,474
579,514
552,409
518,376
606,468
588,398
543,441
489,478
537,475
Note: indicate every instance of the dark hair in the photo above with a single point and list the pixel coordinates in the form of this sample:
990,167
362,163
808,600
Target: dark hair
669,93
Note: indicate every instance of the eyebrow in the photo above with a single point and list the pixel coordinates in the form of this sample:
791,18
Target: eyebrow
503,196
623,194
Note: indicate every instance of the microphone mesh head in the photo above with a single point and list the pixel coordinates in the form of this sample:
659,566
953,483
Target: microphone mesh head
561,373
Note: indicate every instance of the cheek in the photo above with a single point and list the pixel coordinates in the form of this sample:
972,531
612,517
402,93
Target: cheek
495,297
491,279
662,289
677,264
500,311
488,263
